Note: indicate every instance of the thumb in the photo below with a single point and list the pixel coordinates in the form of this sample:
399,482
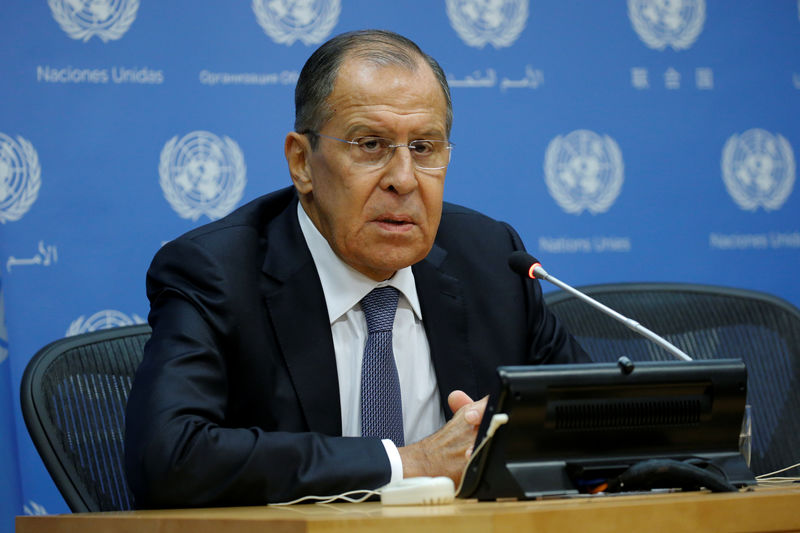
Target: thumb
458,399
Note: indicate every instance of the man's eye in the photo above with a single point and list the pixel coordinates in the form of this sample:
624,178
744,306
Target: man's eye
371,144
422,147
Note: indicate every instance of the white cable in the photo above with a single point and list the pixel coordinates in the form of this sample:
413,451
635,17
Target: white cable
497,420
345,496
773,479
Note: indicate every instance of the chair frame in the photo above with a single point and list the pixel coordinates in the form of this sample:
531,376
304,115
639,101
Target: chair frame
40,427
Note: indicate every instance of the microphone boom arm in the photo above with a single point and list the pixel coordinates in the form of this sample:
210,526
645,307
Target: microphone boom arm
541,273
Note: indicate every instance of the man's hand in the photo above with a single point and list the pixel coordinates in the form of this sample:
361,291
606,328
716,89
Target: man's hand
445,453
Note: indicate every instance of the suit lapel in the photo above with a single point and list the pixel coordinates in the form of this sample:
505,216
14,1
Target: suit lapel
296,306
445,320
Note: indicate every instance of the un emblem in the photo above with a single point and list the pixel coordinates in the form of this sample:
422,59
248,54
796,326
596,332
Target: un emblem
478,22
82,19
662,23
583,171
758,169
202,174
105,319
286,21
20,177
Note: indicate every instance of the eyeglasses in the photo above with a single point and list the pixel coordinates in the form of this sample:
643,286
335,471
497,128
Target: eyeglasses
375,152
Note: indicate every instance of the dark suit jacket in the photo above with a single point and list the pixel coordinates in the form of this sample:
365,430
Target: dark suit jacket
236,401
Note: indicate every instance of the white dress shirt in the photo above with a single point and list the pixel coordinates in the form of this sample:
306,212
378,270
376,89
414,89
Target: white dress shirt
344,287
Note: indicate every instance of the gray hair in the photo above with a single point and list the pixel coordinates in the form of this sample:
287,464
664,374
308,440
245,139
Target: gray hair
380,47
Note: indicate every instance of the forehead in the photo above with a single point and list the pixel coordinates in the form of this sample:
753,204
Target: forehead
368,95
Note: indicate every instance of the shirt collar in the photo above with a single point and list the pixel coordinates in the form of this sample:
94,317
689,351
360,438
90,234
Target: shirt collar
343,285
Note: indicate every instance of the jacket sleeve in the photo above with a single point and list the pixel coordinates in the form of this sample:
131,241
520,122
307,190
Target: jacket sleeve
185,445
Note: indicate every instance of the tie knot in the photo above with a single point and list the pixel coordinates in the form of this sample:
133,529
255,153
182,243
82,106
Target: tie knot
379,307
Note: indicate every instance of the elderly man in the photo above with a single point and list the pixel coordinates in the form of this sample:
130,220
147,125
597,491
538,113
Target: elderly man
268,375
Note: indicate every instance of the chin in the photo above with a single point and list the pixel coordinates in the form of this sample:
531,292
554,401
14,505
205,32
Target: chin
395,261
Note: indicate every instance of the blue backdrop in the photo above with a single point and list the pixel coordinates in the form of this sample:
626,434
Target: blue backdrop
646,140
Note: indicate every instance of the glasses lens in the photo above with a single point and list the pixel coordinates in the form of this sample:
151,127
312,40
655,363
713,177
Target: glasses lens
430,155
371,151
376,152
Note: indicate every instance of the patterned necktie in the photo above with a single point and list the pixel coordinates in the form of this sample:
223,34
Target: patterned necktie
381,406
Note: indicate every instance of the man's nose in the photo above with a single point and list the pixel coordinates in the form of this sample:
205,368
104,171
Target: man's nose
400,171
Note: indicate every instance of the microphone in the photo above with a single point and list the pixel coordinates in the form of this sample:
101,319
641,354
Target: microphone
525,264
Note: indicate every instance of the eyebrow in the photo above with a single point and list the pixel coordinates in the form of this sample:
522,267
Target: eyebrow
363,130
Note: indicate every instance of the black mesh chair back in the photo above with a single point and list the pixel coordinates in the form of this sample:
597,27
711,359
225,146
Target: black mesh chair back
73,395
706,322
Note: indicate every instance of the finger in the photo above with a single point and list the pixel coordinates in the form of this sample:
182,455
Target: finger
458,399
474,413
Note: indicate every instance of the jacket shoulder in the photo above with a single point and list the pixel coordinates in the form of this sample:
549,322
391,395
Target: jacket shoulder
465,223
254,215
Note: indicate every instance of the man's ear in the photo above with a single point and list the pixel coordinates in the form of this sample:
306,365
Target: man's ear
297,149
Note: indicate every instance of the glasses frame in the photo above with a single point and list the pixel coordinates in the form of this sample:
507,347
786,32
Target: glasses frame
449,147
